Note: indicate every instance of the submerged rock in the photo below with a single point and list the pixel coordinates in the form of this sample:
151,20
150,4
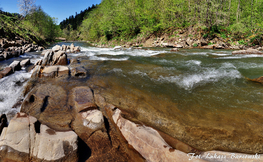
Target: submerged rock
78,72
258,80
147,141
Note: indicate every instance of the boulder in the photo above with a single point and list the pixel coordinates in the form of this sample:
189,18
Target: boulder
56,48
30,49
60,58
48,56
25,62
25,139
248,51
55,71
96,130
78,72
77,49
167,45
82,99
178,46
72,47
44,51
189,42
64,47
36,71
203,42
40,48
15,65
5,72
15,139
48,103
147,141
88,121
57,58
208,47
51,145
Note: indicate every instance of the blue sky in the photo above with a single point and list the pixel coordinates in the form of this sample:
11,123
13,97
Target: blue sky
60,9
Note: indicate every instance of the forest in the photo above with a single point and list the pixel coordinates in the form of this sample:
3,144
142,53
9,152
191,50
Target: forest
32,24
127,19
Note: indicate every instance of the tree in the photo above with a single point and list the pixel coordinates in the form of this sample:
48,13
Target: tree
25,6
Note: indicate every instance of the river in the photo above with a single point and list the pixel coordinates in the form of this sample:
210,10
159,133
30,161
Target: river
205,91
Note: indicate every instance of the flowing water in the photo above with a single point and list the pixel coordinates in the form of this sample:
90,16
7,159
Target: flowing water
195,87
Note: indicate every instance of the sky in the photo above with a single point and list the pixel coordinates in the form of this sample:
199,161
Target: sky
60,9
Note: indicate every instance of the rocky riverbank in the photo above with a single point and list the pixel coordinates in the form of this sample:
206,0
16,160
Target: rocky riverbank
15,47
66,116
184,38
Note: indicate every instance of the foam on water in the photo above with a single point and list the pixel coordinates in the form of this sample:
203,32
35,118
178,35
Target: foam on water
195,62
93,51
241,56
190,81
11,89
106,58
220,54
137,72
165,61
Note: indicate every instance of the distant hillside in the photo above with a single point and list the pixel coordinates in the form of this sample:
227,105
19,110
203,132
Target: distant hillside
11,27
124,20
70,25
36,27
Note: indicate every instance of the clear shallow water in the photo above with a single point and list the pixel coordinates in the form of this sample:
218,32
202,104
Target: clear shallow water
206,88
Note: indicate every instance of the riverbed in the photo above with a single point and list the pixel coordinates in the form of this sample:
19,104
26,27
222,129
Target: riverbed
199,96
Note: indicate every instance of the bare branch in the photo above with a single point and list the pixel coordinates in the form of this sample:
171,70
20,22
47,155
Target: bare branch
25,6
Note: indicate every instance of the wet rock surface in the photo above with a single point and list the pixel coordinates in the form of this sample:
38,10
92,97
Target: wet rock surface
42,103
15,48
113,123
25,139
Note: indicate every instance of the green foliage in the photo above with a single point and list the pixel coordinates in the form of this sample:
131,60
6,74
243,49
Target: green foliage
11,26
210,43
242,42
42,24
195,45
130,18
205,35
223,36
